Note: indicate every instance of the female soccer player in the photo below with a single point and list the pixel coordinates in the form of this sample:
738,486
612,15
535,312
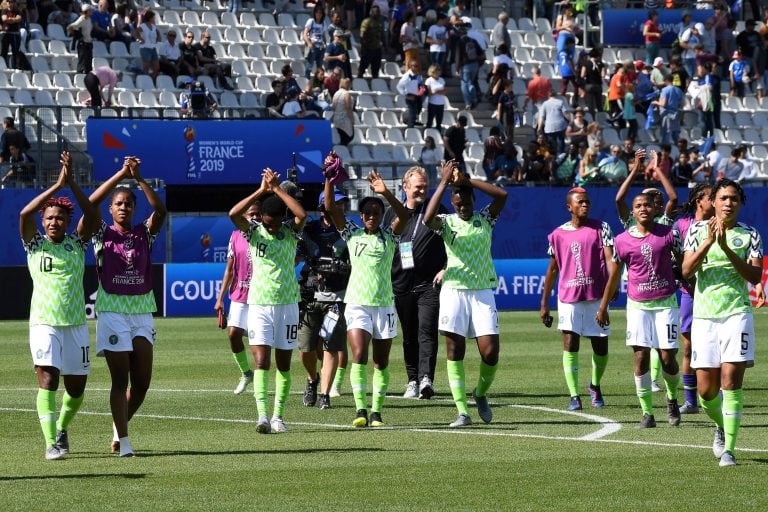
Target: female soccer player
58,336
697,208
273,293
370,305
652,315
467,304
723,254
237,279
125,334
581,253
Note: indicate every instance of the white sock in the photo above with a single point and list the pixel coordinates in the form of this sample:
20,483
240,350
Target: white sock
125,447
115,437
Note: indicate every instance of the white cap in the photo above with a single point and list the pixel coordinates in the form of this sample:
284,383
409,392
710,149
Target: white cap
699,27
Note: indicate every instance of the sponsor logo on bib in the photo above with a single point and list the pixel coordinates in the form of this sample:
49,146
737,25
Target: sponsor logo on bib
113,339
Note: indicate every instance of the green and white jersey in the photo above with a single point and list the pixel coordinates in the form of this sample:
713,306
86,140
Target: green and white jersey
662,219
57,278
273,280
720,290
370,282
468,247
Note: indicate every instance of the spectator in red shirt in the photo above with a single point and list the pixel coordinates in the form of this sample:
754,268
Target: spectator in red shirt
652,36
538,89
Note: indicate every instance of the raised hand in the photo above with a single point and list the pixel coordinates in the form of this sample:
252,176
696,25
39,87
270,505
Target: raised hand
446,171
134,165
376,181
269,180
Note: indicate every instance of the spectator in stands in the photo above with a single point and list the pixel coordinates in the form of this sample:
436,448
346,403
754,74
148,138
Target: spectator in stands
148,36
410,41
332,80
652,35
468,61
627,153
658,73
577,128
500,34
659,164
294,107
189,65
11,34
750,171
371,43
21,167
435,85
720,23
501,73
455,15
568,164
567,66
751,45
708,38
81,32
589,172
538,90
592,78
343,116
120,25
733,168
505,110
553,120
337,23
594,137
206,56
437,39
492,148
455,142
545,156
234,6
690,42
337,56
411,85
97,80
566,27
170,56
739,74
197,102
613,169
644,88
314,39
11,136
62,14
429,157
100,20
506,168
276,98
670,102
616,97
317,95
678,75
628,113
682,172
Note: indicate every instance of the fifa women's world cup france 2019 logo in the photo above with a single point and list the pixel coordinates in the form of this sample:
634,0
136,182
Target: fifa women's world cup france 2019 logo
189,138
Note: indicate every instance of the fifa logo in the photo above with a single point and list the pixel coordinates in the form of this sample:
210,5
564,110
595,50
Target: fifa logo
655,282
580,278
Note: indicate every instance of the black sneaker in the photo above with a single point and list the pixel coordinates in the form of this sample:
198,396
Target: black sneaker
62,441
673,413
361,420
648,421
324,401
310,392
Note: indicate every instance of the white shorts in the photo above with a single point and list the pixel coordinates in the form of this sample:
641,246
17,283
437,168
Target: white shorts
723,340
653,328
63,347
116,331
581,318
468,313
378,321
238,315
275,326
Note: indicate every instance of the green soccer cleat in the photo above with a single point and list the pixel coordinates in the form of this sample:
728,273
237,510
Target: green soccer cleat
361,420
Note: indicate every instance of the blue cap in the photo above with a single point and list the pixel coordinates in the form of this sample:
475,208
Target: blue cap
337,196
190,80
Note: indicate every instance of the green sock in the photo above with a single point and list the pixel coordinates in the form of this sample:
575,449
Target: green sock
733,405
456,381
655,365
380,385
672,382
241,358
484,381
644,392
282,389
598,368
46,412
358,377
714,409
69,408
260,390
338,379
571,369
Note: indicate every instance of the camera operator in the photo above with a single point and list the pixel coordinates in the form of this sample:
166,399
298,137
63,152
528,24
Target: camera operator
197,102
323,281
20,167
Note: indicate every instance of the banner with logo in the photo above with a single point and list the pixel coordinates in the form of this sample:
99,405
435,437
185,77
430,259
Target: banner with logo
200,239
226,152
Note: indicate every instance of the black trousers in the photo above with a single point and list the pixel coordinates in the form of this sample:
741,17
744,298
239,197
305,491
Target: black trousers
84,57
418,313
92,86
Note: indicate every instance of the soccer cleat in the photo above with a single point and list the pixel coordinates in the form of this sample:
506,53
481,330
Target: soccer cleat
426,391
263,426
727,460
62,441
310,392
689,408
648,421
245,379
278,425
483,407
324,401
462,421
411,390
596,395
361,420
575,404
655,387
673,413
376,420
53,453
718,445
335,392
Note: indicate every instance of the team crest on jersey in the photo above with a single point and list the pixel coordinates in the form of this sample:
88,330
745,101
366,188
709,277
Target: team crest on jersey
476,223
280,235
69,247
113,339
129,243
40,354
738,242
629,334
444,320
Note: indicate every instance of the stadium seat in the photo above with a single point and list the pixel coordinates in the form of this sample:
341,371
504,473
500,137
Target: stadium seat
127,99
168,99
394,136
229,19
191,19
267,20
210,19
148,99
36,47
252,35
23,97
171,113
365,102
390,119
291,36
42,81
171,18
360,85
39,64
44,97
360,153
249,100
56,32
248,19
368,117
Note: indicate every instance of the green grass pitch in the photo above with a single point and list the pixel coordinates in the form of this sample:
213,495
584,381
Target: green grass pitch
199,449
